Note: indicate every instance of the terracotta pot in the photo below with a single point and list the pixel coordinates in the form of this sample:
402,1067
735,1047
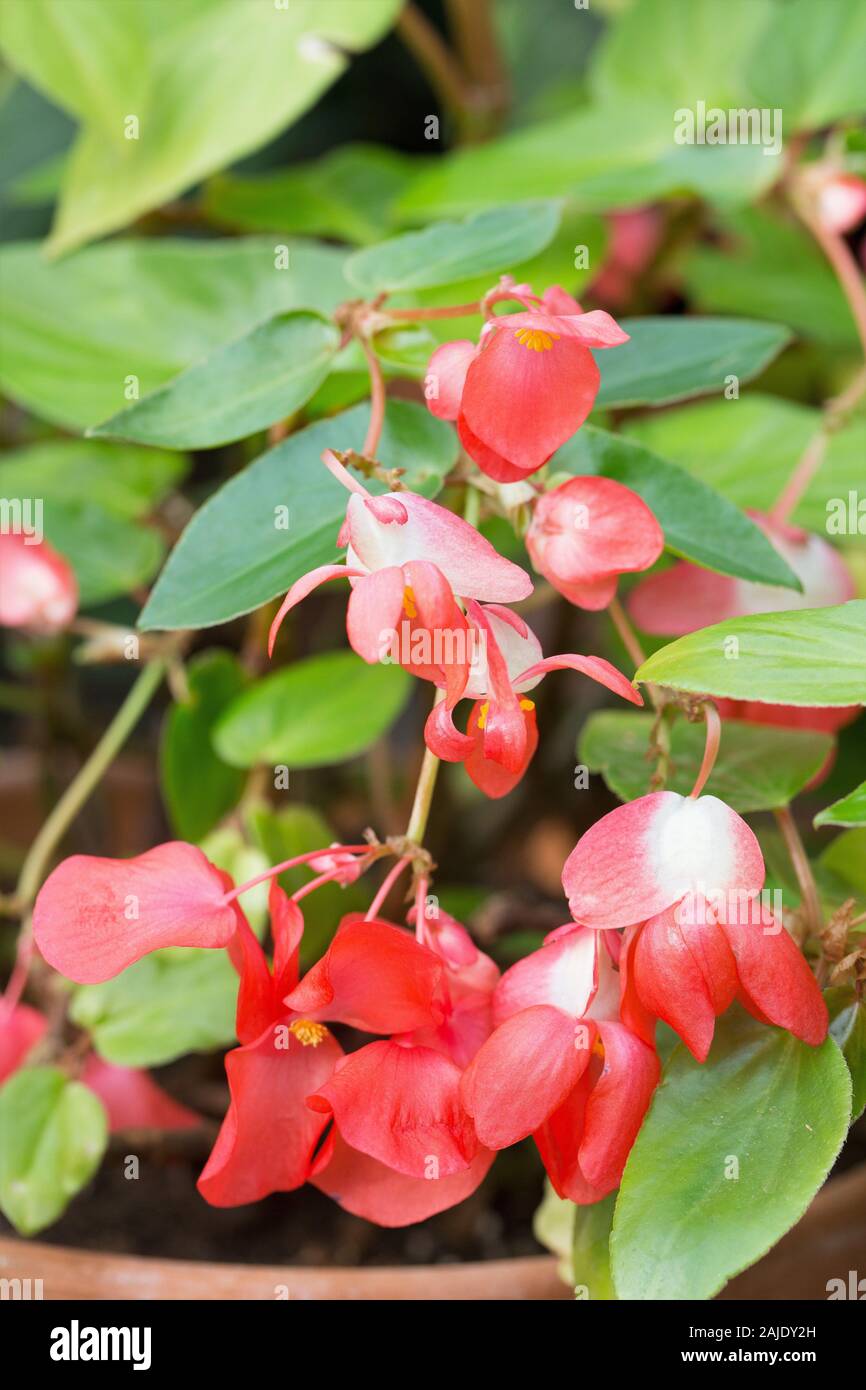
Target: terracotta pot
828,1242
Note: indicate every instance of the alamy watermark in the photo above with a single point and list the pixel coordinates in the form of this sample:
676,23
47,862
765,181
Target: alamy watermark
22,516
738,125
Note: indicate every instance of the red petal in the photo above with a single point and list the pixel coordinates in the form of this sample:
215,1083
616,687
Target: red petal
775,979
373,976
93,917
401,1105
287,930
563,974
375,608
269,1134
588,529
258,1003
685,975
446,373
491,777
20,1030
368,1189
593,666
133,1100
491,463
522,1074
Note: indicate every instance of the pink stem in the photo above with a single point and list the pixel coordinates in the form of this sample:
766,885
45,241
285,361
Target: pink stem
711,748
445,311
387,884
333,464
421,909
315,883
290,864
377,401
18,978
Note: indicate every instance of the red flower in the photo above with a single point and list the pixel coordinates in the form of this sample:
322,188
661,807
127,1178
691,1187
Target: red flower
501,734
527,386
684,598
587,532
38,590
562,1068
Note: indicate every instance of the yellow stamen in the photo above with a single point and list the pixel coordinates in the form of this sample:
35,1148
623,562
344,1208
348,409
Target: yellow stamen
307,1032
598,1047
409,602
527,704
482,715
536,339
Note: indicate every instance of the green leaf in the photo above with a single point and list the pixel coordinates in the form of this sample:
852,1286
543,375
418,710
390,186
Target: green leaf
236,553
746,449
123,480
208,80
813,67
671,359
53,1133
198,787
346,194
449,251
773,269
848,1029
164,1006
846,858
110,555
553,1227
758,767
75,334
684,1223
849,810
591,1251
318,711
699,525
808,656
228,848
241,388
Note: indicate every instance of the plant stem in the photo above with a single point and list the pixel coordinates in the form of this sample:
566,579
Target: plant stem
86,779
424,791
841,258
291,864
435,59
385,887
377,401
836,413
626,631
442,311
711,748
802,868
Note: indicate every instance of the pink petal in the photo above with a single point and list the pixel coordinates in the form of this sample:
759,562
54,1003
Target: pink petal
563,974
38,589
469,562
589,529
303,586
524,404
133,1100
93,917
685,975
522,1074
775,979
593,666
494,778
269,1135
20,1031
594,330
650,853
375,609
373,976
616,1105
369,1189
446,373
401,1105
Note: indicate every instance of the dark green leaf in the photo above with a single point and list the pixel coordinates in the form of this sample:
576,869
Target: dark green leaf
729,1156
758,767
110,555
848,1028
699,525
122,479
240,388
447,251
850,810
591,1251
318,711
236,553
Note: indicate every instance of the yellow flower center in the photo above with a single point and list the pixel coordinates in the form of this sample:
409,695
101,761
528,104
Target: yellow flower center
527,704
409,602
536,339
485,710
308,1033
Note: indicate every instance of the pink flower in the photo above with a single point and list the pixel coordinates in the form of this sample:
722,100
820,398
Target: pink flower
527,386
38,590
587,532
842,203
562,1067
684,598
501,733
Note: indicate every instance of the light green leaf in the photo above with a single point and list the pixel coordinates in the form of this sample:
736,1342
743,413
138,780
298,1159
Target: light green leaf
747,450
699,525
813,67
110,555
207,80
758,767
163,1006
131,314
671,359
449,251
846,858
53,1133
264,376
123,480
228,848
686,1220
849,810
233,556
198,787
808,656
553,1227
848,1029
346,194
591,1251
318,711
